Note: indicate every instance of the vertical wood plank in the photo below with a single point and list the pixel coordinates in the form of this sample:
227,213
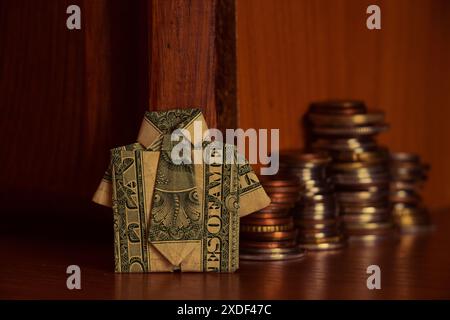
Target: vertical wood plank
226,69
182,68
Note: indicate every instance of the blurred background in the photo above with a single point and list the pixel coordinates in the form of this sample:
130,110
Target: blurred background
68,96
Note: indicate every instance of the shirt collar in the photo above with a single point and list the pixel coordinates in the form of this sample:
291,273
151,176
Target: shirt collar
156,123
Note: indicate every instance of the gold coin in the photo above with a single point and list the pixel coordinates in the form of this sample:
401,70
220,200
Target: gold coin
267,244
360,167
362,210
347,120
378,155
268,215
369,226
331,244
329,239
259,228
404,157
342,107
351,131
298,157
298,254
270,236
266,222
365,218
293,189
316,236
268,250
358,196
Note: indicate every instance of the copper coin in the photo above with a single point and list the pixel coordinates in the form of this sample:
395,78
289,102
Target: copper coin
270,236
333,245
317,236
267,228
266,222
298,254
359,196
315,223
360,167
375,232
346,120
268,250
306,214
338,107
368,188
353,144
317,217
267,215
379,155
328,239
280,183
341,180
267,244
365,218
297,157
363,210
283,198
369,226
277,181
351,131
277,207
293,189
279,211
283,195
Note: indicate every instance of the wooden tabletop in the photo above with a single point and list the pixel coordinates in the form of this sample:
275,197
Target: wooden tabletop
35,258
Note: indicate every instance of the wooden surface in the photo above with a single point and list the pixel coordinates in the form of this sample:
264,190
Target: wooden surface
292,52
36,257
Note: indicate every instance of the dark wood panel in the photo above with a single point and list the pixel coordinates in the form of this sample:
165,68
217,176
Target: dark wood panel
41,92
293,52
116,78
68,96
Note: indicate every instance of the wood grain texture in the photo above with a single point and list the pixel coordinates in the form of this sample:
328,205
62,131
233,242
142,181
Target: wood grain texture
41,93
182,68
116,77
193,58
293,52
66,96
415,267
69,96
226,65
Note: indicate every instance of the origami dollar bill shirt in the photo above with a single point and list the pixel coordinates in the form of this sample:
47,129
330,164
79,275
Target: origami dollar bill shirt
171,216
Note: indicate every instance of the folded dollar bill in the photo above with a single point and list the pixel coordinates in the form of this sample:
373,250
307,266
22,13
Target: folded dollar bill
172,216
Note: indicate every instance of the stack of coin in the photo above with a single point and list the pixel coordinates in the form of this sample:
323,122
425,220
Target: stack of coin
315,214
269,234
346,131
408,175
